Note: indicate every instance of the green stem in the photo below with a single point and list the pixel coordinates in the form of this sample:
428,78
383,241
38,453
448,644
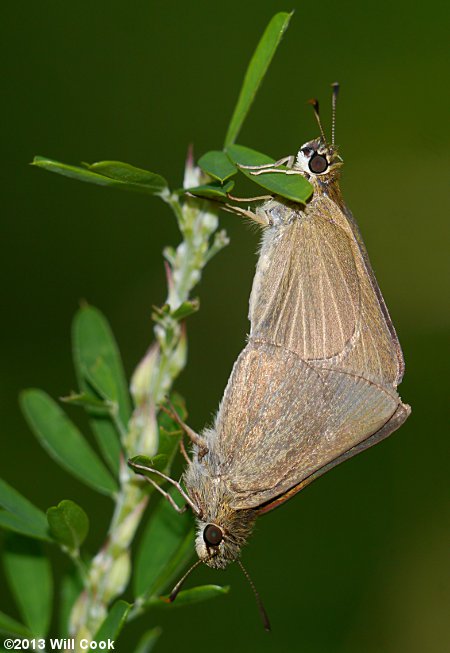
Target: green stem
109,570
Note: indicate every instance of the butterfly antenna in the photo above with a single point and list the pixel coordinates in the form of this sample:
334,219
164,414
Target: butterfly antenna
315,106
262,611
334,98
178,586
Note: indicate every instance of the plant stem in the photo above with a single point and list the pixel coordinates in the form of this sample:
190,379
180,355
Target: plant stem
109,571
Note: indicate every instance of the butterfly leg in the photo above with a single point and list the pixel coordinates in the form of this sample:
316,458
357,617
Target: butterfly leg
139,469
288,161
246,213
192,435
166,495
258,198
283,172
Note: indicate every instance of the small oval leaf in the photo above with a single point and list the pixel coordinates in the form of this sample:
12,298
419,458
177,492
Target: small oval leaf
213,191
68,523
293,187
217,165
64,442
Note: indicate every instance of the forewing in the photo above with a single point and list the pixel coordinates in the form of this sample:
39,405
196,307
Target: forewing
315,293
306,294
281,420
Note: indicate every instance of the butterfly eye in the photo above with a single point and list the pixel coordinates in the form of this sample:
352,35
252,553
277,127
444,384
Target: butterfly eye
318,163
212,535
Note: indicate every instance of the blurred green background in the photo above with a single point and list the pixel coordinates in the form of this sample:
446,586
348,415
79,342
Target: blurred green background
359,562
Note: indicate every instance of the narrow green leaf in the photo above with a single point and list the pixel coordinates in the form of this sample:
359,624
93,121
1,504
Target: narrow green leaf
107,439
166,545
190,596
70,590
98,366
11,522
10,626
169,431
114,622
98,360
213,191
217,165
256,71
293,187
68,524
185,309
148,641
21,515
30,578
129,174
64,442
87,401
108,173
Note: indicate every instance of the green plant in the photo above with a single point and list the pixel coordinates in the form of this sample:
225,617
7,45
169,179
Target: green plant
127,422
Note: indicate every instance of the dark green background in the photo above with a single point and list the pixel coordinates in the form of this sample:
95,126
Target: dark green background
360,562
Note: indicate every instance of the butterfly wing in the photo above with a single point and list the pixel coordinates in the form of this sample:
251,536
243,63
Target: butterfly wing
315,293
282,419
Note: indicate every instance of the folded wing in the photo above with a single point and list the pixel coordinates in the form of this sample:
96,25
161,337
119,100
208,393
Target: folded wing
282,419
314,293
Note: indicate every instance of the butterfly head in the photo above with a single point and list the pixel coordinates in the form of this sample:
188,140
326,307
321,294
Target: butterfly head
318,159
219,542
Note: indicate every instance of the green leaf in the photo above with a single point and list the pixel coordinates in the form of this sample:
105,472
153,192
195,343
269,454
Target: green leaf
70,590
217,165
167,544
21,515
64,442
185,309
30,578
189,597
213,191
158,462
293,187
148,641
108,173
11,522
10,626
97,358
256,71
68,524
169,431
87,401
98,366
114,622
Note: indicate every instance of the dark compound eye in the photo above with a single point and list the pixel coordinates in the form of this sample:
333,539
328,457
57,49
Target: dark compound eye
212,535
318,163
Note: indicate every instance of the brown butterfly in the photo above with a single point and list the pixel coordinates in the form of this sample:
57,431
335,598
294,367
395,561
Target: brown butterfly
316,383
